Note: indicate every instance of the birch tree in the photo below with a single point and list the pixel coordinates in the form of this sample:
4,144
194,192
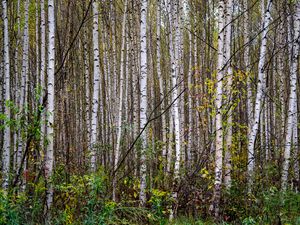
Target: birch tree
50,104
227,49
143,99
218,105
24,78
7,140
87,88
292,97
15,87
190,100
96,84
175,68
160,79
121,100
259,96
43,83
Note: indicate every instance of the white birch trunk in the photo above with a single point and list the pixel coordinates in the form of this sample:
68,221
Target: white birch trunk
218,105
24,78
295,145
267,128
247,66
87,89
292,98
136,88
96,85
227,49
114,59
175,64
169,156
143,100
16,85
50,103
121,100
43,69
175,107
37,37
161,82
282,89
6,141
190,100
259,96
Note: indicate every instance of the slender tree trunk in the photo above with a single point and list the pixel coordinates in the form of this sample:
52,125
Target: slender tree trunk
87,89
96,85
50,105
218,105
161,82
190,99
15,86
295,146
174,55
227,49
6,141
37,40
292,98
259,96
169,156
121,100
247,66
267,129
135,87
24,79
143,100
43,69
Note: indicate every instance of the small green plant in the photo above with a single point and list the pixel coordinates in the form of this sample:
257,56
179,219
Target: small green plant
159,202
249,221
10,213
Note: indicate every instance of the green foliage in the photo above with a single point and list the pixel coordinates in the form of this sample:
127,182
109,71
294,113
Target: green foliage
9,213
281,205
248,221
265,207
78,200
188,221
160,201
17,208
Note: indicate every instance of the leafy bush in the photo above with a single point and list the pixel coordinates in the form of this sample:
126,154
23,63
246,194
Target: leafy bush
9,212
271,206
160,202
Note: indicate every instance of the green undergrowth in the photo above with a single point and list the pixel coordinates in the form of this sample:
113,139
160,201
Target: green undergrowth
87,200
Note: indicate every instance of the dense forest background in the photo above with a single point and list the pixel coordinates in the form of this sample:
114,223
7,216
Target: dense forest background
149,111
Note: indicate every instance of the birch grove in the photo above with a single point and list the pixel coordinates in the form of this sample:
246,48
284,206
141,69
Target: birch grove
149,112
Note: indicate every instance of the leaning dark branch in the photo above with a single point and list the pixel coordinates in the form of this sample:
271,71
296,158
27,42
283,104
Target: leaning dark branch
147,123
30,138
84,19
